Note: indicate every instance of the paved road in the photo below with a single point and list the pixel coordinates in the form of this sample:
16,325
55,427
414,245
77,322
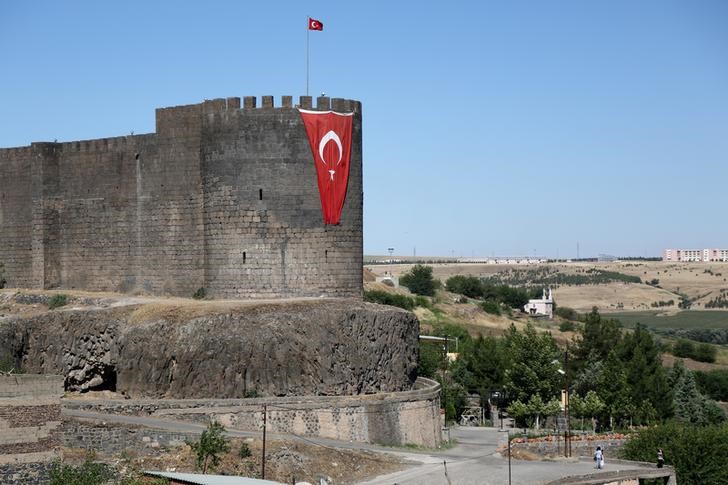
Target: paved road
473,461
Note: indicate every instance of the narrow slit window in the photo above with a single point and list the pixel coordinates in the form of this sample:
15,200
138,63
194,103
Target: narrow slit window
245,256
260,194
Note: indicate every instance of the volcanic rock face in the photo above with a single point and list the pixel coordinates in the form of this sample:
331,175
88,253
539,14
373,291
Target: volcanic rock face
325,347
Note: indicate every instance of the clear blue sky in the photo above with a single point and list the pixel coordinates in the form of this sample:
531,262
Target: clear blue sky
489,127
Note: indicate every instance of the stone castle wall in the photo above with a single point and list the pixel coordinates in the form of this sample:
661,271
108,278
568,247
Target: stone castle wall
395,418
221,196
30,427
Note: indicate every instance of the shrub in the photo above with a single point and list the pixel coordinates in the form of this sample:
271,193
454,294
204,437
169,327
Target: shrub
491,306
567,326
392,299
88,473
566,313
57,301
697,452
199,294
422,302
8,364
244,451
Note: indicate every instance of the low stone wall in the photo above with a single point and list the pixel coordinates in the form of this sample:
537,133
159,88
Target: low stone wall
30,427
395,418
579,447
115,438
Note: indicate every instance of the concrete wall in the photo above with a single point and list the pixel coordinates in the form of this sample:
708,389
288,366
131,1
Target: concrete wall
397,418
220,197
30,426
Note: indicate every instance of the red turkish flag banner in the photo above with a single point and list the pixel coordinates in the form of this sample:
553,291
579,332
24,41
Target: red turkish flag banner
329,134
314,24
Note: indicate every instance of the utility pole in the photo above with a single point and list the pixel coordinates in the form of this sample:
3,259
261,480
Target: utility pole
509,458
567,444
262,466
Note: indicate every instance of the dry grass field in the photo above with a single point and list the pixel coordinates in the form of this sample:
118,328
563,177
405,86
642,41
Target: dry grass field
698,281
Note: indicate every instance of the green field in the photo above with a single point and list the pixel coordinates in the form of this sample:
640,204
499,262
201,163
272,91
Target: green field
685,319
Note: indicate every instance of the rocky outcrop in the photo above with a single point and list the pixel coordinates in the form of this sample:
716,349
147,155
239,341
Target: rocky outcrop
323,347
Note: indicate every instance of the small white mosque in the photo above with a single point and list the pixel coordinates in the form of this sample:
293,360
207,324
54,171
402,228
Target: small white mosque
542,307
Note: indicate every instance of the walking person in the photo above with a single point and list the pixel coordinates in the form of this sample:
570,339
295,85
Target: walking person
599,458
660,458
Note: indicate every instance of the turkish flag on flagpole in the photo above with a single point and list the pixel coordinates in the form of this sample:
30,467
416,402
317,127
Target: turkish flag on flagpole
314,24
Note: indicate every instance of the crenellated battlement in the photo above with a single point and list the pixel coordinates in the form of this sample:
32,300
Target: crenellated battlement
172,115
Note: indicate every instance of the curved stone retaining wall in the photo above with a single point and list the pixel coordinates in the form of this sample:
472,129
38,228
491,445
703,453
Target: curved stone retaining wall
395,418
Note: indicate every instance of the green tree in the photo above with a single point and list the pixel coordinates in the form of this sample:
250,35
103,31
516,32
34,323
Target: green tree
211,445
537,408
713,383
705,353
419,280
481,365
534,364
519,411
613,390
589,406
431,358
469,286
645,375
587,375
689,404
598,337
576,407
593,406
683,348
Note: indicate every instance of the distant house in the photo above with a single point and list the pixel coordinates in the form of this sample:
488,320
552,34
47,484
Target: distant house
541,307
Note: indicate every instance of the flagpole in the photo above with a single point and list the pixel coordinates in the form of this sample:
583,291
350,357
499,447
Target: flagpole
307,35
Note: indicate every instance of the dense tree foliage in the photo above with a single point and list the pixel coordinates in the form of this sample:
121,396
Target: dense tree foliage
482,365
645,374
549,276
419,280
697,453
616,378
533,365
624,369
697,351
492,294
713,384
690,405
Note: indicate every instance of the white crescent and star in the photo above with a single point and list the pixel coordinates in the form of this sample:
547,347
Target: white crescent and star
330,136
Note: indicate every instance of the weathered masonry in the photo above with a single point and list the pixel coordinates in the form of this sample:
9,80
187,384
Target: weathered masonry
30,427
221,197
